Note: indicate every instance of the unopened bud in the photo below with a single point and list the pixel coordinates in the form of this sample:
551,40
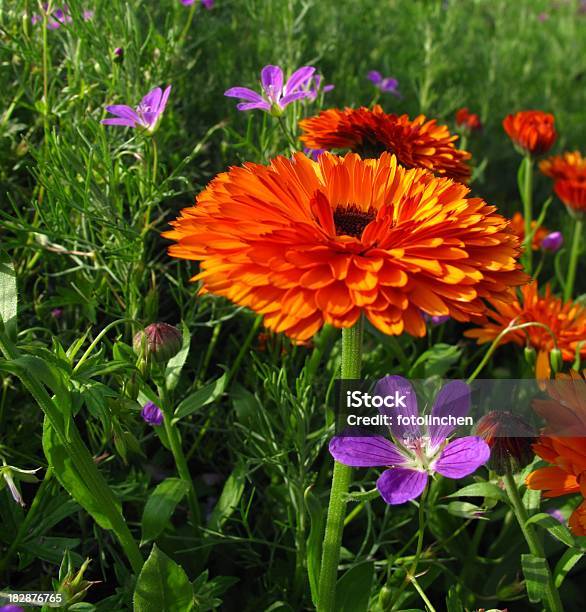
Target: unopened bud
509,437
552,242
530,356
158,341
555,358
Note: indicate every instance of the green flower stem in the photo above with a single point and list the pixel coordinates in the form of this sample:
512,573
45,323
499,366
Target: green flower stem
342,477
573,263
180,461
527,198
554,603
69,436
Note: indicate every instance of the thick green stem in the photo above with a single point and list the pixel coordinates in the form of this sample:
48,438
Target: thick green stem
573,263
342,477
527,197
554,603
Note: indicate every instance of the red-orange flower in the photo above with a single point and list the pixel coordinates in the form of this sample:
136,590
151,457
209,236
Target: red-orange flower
468,120
306,243
570,165
532,131
518,226
572,193
566,320
567,455
417,143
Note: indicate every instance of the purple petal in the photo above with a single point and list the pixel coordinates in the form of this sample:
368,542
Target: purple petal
389,85
452,400
300,78
244,94
208,4
126,122
298,95
187,2
152,99
163,102
271,78
244,106
462,457
375,76
149,118
405,405
400,485
327,88
124,111
365,451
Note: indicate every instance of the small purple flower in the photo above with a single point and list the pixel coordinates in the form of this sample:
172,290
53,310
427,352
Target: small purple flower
557,515
11,608
314,88
543,16
87,15
147,114
276,96
552,242
57,313
313,153
208,4
151,413
415,454
385,84
59,17
436,319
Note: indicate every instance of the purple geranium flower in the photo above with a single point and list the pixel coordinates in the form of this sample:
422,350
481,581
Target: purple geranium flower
276,96
313,153
151,413
552,242
147,114
11,608
385,84
208,4
416,454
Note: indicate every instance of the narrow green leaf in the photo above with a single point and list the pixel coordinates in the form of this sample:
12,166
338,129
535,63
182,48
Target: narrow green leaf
229,499
453,601
481,489
176,363
466,510
565,564
554,527
68,476
353,588
198,399
8,294
160,507
536,575
162,586
314,542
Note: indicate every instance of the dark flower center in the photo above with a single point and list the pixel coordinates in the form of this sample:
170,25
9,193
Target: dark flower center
351,221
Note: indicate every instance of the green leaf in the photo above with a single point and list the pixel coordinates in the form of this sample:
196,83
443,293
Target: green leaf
453,601
554,527
160,507
176,363
536,575
353,588
466,510
436,361
8,294
66,473
198,399
162,586
229,499
314,541
481,489
565,564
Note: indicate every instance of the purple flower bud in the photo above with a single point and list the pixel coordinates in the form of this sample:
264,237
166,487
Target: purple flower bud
557,515
151,414
57,313
118,51
159,341
552,242
435,319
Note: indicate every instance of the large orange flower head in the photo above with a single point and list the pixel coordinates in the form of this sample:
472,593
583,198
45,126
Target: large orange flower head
306,243
570,165
566,320
567,455
531,131
417,143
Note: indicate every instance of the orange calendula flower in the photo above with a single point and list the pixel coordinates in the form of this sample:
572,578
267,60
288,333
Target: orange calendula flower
566,320
565,412
466,119
417,143
568,166
518,226
532,131
306,243
572,192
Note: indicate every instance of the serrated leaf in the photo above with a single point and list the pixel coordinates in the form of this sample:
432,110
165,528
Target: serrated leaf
160,507
198,399
353,588
162,585
554,527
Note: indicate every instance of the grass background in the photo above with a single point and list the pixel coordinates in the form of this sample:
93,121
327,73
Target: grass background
81,210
